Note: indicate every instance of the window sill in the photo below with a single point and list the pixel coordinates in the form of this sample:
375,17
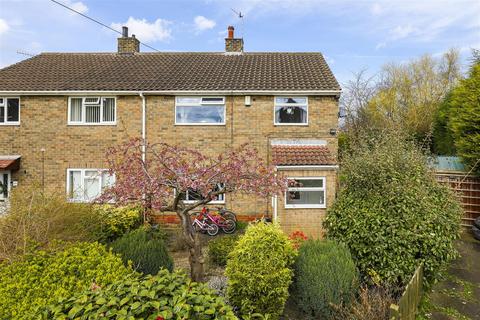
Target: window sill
211,202
200,124
291,124
306,206
71,124
10,124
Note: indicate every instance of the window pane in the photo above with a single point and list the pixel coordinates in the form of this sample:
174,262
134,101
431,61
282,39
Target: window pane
75,185
91,185
204,114
13,110
76,109
92,114
109,110
192,100
305,197
291,114
282,100
305,183
2,114
107,180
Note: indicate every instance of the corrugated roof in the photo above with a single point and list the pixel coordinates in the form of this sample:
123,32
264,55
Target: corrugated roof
291,155
165,71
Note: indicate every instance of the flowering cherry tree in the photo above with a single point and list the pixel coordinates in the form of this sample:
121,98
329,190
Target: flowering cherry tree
158,177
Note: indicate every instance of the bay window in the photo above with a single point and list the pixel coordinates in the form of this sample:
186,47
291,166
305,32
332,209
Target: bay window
200,110
305,193
91,111
291,111
84,185
9,111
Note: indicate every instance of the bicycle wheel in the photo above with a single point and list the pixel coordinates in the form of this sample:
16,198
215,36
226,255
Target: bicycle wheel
229,226
212,229
229,215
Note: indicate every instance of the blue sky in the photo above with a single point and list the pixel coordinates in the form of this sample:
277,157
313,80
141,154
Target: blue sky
353,35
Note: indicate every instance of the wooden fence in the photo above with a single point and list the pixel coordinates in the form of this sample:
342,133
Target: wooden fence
467,189
410,299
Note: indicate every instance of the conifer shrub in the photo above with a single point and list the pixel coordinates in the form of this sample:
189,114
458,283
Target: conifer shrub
145,249
259,270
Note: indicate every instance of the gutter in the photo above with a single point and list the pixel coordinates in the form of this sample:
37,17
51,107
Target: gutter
144,120
172,92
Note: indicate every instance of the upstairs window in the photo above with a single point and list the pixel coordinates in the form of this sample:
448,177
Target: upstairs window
305,193
200,110
85,185
92,111
291,111
9,111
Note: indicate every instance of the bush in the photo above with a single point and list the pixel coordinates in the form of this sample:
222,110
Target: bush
219,248
325,274
145,249
391,213
258,270
116,221
166,296
41,279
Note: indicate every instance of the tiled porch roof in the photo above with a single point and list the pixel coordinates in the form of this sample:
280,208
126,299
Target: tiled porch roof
9,162
297,155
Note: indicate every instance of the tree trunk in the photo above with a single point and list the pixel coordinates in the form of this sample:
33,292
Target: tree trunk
194,247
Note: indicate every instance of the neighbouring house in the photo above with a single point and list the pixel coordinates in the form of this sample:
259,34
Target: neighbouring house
59,112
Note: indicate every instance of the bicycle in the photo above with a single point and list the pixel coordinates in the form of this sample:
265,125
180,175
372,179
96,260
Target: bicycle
226,224
227,214
205,225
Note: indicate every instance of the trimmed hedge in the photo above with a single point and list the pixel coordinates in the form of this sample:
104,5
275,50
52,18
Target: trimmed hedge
116,221
325,274
259,270
43,278
219,248
145,249
164,296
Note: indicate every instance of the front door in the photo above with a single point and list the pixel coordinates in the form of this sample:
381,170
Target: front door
4,185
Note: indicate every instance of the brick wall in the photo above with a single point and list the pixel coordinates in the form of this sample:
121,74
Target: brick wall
44,125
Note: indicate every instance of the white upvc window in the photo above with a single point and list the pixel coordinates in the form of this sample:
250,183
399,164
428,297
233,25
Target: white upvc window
9,111
92,111
85,185
305,192
290,111
203,111
191,196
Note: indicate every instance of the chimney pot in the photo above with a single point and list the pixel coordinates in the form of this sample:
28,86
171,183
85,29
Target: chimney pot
125,32
231,29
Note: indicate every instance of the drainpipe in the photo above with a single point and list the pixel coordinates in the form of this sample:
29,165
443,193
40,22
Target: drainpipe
275,201
144,120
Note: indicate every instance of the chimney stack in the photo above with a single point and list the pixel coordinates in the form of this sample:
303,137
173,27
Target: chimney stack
233,44
128,44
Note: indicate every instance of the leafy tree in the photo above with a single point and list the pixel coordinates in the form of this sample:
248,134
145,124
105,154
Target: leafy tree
465,118
391,212
443,141
157,177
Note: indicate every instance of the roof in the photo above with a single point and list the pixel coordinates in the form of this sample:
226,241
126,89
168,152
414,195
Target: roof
170,71
299,155
9,162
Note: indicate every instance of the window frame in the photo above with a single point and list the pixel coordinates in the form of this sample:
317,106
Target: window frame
82,179
224,104
307,206
83,123
211,202
5,106
275,105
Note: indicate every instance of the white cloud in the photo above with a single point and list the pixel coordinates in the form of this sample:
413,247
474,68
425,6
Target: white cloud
78,6
145,31
401,32
380,45
202,23
376,9
4,27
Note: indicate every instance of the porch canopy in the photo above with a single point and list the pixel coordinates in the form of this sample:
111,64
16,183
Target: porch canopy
301,153
10,162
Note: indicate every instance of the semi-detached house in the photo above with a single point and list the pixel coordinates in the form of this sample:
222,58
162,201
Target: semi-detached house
59,112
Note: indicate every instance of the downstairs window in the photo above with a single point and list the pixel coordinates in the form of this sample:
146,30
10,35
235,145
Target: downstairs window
305,193
85,185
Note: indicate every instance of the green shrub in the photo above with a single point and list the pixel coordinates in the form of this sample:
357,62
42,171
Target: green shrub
258,270
41,279
219,248
145,249
391,213
325,274
166,295
116,221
